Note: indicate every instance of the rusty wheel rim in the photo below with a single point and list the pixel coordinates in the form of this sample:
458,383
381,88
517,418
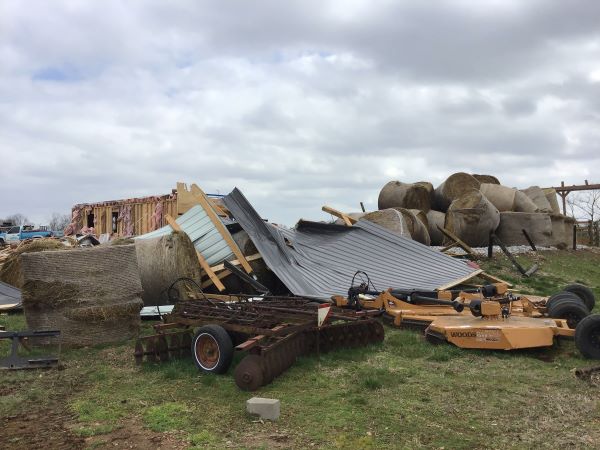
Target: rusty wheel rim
207,351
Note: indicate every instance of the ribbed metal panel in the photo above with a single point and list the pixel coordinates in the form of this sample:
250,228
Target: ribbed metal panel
9,295
202,232
319,260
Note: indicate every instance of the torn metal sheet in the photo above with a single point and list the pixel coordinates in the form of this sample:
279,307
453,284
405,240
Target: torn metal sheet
318,260
10,297
203,233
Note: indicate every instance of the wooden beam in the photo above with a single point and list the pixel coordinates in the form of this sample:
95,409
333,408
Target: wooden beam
220,276
450,235
460,280
236,262
487,276
210,212
349,221
201,260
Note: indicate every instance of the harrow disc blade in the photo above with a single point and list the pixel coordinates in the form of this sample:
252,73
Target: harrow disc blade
249,373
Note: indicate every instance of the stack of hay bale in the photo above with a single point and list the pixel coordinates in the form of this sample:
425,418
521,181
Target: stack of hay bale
472,206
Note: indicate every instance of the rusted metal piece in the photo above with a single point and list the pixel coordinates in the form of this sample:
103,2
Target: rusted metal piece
273,331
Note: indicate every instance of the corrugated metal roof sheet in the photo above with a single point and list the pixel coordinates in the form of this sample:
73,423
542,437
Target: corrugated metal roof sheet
203,233
319,260
10,297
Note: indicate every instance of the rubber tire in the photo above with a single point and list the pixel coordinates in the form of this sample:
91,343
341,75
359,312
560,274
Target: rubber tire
224,343
562,295
584,293
561,307
587,336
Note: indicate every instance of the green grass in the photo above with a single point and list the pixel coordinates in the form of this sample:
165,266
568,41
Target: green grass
405,393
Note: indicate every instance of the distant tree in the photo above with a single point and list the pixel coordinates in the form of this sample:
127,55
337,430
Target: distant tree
585,205
58,222
16,219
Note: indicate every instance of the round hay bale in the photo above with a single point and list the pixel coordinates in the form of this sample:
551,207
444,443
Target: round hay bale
435,219
390,219
422,216
552,200
471,217
91,294
537,225
524,204
416,228
11,271
486,178
454,187
559,237
538,197
163,260
502,197
406,195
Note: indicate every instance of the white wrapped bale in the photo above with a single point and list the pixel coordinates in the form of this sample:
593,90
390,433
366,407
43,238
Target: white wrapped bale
537,225
390,219
550,194
455,186
502,197
486,178
418,231
538,197
524,204
435,219
471,217
406,195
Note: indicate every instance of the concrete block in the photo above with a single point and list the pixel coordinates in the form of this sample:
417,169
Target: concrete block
265,408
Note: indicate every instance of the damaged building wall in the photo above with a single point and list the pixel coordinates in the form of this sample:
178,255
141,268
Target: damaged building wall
133,216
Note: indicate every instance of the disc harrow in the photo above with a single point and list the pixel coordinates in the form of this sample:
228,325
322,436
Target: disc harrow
273,331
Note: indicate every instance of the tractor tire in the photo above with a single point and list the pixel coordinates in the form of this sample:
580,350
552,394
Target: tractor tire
573,311
587,336
212,349
562,295
584,293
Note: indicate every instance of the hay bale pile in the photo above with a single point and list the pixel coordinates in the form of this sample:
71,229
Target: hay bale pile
163,260
93,295
473,205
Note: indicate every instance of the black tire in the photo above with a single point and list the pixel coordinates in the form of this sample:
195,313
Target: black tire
570,310
584,293
587,336
212,349
562,295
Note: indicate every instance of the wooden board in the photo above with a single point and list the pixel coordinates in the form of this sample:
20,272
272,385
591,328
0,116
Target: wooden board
349,221
460,280
201,260
236,262
203,200
450,235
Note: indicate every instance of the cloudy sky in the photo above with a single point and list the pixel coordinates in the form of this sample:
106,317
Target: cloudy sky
297,103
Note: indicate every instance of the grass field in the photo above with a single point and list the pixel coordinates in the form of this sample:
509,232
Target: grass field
405,393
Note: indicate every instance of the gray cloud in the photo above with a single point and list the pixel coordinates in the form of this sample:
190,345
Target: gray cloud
298,103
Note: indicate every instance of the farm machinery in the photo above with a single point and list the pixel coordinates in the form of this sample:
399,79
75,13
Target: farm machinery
486,317
272,331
